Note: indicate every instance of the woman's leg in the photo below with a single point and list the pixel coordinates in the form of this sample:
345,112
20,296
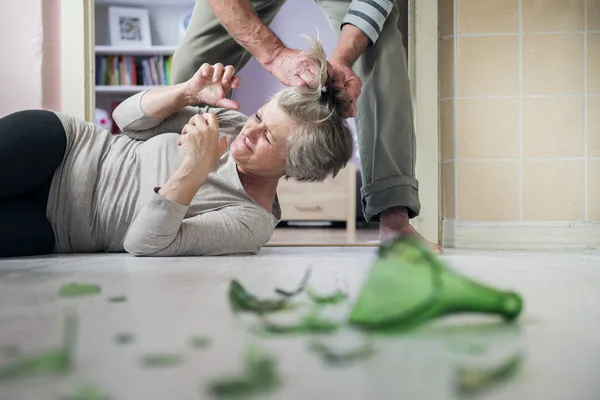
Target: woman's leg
24,229
32,146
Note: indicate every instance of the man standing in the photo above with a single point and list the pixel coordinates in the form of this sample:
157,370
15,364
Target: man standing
369,43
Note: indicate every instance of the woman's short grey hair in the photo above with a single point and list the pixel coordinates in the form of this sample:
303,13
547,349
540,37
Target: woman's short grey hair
322,143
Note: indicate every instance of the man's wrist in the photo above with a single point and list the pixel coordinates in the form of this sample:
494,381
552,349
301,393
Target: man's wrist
351,44
269,51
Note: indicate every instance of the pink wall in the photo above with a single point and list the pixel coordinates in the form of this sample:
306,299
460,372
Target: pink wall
29,44
51,59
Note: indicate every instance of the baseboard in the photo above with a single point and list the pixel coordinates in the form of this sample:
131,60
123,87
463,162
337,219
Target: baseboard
521,235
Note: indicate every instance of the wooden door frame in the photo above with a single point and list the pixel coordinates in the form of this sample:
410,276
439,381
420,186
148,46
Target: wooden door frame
78,90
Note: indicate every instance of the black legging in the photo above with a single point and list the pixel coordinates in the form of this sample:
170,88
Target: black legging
32,146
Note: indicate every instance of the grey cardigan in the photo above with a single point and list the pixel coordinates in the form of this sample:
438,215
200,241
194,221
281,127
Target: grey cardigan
103,196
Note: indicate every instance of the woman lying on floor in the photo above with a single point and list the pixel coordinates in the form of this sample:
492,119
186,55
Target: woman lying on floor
167,187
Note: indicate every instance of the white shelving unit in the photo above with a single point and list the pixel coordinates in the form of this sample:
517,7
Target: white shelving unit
165,16
121,89
154,50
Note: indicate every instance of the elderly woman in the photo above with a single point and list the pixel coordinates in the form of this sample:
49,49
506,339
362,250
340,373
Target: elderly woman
166,186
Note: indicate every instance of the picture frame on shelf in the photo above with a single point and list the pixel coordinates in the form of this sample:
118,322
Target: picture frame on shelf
129,27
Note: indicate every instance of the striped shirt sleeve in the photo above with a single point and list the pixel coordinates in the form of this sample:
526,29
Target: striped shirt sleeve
368,16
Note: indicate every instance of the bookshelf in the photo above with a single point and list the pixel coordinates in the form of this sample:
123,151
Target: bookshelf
153,50
119,69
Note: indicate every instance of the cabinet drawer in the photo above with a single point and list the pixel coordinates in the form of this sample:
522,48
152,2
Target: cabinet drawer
337,186
313,208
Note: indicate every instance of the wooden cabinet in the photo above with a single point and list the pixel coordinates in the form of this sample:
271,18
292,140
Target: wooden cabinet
331,200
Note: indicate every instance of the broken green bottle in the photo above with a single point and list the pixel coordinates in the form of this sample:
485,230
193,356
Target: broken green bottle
409,285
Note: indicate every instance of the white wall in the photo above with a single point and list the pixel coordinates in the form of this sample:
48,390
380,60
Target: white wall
30,49
21,46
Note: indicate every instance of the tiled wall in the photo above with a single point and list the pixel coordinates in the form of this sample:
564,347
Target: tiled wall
520,110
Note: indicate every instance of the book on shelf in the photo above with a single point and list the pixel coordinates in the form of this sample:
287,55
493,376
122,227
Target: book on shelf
124,70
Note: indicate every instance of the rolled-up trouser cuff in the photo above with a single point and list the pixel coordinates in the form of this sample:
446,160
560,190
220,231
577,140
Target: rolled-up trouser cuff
396,191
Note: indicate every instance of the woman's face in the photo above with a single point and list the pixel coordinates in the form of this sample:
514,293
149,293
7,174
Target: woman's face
259,149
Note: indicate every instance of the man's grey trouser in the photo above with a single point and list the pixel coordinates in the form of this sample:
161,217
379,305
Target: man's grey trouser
384,120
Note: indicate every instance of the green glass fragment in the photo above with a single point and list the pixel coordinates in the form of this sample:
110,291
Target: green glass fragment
259,376
52,361
124,338
241,300
472,380
117,299
200,342
333,298
161,360
87,392
299,289
311,323
78,289
409,285
337,357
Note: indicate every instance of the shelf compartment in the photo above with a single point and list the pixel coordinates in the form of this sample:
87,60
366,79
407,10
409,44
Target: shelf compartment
134,51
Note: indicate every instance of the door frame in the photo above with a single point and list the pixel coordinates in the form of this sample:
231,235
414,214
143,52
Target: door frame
78,91
77,58
423,73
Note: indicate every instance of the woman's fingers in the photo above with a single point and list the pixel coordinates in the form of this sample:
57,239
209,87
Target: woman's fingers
206,70
235,83
218,72
227,75
211,120
198,121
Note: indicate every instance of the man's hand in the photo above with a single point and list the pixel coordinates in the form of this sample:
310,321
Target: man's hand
210,85
345,79
293,68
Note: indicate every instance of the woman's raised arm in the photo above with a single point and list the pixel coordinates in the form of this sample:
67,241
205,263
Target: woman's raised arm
168,108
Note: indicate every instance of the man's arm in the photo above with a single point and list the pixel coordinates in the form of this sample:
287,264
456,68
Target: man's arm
289,66
368,16
350,45
244,25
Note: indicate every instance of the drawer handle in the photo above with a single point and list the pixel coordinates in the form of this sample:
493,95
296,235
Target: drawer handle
308,208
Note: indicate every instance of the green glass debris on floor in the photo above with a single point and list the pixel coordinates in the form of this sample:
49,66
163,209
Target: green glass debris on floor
117,299
161,360
242,300
124,338
258,376
471,380
52,361
87,392
333,298
300,287
200,342
409,285
78,289
334,356
311,323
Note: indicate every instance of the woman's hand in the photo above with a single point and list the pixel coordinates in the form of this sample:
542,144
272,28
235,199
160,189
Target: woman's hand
201,144
211,83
